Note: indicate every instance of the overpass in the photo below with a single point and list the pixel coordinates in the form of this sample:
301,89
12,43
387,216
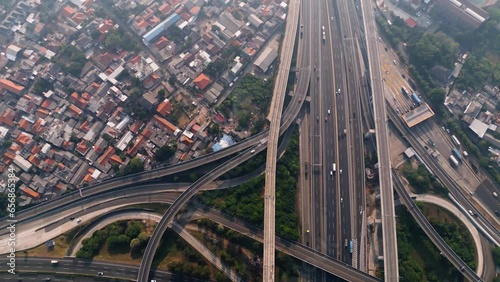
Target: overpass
390,249
276,108
491,231
432,233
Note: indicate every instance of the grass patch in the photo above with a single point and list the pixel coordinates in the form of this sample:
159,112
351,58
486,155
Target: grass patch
58,251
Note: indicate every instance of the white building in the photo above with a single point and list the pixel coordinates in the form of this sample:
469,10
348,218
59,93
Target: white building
12,51
22,163
123,143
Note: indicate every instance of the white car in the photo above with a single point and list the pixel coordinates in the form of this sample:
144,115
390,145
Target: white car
328,111
340,171
331,172
341,200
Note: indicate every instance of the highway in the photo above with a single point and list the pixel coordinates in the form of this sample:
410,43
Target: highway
446,180
390,250
154,194
279,92
27,267
432,233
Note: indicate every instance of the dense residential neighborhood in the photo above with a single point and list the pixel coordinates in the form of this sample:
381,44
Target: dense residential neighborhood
85,96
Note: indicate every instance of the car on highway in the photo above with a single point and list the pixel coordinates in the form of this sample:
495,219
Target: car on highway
100,273
326,119
345,243
379,39
328,111
341,200
340,171
338,91
331,172
317,118
394,62
386,49
253,151
300,99
79,220
323,27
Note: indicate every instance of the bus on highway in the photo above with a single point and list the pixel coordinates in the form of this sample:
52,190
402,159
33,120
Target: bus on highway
454,161
455,140
350,246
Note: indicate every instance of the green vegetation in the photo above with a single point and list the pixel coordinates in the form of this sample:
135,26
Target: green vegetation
216,68
496,255
165,153
250,102
4,202
419,259
118,237
240,252
182,259
117,39
482,66
421,180
41,86
424,51
174,33
134,166
72,60
245,201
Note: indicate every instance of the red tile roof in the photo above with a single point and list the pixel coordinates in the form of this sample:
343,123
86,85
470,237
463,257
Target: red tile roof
147,133
30,192
103,160
164,108
411,22
165,8
23,139
7,117
75,109
115,159
82,147
132,151
42,113
105,26
67,11
202,81
11,86
165,123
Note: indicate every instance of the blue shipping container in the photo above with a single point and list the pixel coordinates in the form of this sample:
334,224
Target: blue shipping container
415,98
456,153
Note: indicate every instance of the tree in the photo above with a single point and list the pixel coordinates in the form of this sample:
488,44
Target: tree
164,153
119,243
6,143
437,96
144,237
135,244
161,94
136,165
133,230
496,255
95,34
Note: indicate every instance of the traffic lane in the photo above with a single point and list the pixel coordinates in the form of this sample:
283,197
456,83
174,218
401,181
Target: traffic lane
486,196
77,267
